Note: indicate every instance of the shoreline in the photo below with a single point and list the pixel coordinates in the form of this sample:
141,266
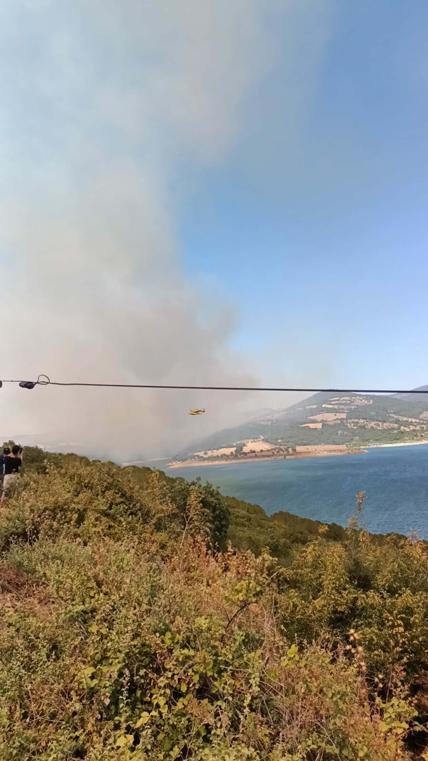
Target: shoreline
238,460
397,444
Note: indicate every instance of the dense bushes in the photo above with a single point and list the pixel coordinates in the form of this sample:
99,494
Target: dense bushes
77,498
126,634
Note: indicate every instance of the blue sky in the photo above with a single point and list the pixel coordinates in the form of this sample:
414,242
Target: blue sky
207,191
323,249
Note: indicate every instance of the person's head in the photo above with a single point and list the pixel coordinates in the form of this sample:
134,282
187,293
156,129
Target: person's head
6,450
15,450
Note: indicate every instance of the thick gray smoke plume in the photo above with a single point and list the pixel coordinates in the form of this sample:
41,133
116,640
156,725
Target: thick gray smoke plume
110,111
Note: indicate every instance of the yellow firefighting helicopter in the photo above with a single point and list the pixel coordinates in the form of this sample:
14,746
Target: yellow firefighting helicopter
196,411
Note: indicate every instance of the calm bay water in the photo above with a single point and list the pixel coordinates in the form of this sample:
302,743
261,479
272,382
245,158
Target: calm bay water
395,481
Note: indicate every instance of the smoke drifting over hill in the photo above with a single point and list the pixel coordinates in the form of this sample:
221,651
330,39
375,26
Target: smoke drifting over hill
112,107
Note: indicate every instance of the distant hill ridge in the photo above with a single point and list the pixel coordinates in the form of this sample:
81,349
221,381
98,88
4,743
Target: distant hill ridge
352,420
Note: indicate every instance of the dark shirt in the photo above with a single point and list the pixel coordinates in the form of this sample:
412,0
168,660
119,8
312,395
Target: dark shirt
11,464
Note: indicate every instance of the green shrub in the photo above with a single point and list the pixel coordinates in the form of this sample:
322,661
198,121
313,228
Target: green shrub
129,631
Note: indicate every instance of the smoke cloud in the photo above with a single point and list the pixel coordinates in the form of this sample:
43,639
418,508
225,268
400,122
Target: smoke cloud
111,112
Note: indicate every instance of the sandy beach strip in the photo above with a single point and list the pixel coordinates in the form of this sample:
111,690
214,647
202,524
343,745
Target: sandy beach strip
238,460
396,444
300,456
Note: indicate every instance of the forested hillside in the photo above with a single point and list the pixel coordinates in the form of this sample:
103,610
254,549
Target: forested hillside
145,618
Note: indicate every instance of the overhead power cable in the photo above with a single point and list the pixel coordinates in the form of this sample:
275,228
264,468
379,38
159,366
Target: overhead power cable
44,380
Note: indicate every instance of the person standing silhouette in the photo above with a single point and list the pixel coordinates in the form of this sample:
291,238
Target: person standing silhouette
12,464
6,451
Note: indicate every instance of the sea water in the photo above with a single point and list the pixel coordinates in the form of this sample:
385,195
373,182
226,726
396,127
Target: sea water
395,480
